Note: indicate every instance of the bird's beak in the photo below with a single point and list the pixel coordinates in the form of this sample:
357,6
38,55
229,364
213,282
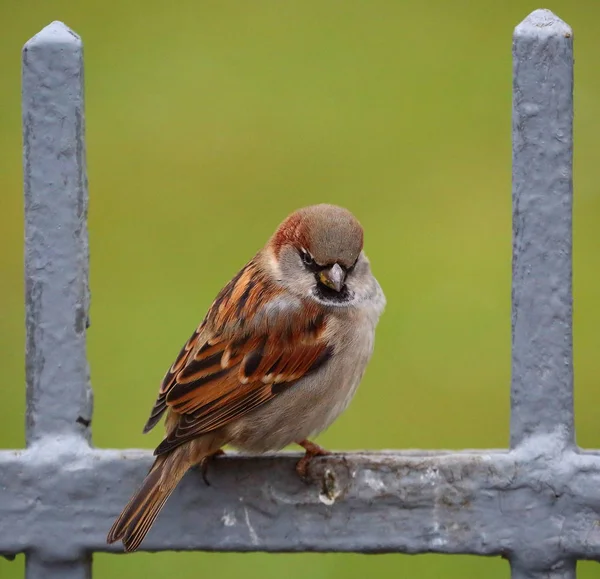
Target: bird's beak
333,277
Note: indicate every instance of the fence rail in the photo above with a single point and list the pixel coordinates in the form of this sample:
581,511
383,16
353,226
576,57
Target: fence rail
537,504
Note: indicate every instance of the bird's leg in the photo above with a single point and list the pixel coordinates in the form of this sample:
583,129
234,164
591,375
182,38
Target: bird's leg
204,464
312,450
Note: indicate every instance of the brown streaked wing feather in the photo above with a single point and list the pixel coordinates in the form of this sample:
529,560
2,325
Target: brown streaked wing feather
195,343
244,365
228,398
169,379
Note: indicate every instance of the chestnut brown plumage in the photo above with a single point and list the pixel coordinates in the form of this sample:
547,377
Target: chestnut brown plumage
276,360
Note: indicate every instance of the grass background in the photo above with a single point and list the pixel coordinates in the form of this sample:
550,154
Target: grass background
208,122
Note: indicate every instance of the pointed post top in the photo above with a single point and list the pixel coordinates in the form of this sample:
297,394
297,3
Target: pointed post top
55,33
543,22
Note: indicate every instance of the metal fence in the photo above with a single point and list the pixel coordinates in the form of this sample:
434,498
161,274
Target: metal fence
537,504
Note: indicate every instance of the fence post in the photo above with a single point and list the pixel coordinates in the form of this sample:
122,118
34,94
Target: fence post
542,344
37,568
59,396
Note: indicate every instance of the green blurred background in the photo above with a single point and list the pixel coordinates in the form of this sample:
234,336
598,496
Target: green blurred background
208,122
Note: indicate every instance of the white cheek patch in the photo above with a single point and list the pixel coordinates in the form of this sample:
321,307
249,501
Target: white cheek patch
273,265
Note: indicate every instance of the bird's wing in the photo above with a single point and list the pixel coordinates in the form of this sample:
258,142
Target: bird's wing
252,345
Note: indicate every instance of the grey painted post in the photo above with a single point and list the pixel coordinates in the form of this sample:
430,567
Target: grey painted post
38,568
542,346
59,397
565,570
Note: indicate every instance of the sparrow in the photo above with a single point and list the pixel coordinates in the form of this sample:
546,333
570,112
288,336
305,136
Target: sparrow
276,360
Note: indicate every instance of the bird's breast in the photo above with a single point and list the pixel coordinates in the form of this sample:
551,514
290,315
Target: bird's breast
315,401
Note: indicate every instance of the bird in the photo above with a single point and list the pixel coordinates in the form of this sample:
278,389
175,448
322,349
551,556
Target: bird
276,360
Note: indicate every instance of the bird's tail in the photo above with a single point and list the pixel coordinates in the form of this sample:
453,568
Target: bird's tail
143,508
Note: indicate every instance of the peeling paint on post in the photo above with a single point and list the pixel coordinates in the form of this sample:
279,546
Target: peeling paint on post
537,504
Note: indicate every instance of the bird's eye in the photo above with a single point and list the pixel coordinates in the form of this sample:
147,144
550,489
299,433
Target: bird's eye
307,258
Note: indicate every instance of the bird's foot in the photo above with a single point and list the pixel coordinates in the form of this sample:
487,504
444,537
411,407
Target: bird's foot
312,450
204,464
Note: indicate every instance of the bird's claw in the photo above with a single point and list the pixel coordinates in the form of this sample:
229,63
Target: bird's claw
204,465
312,450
